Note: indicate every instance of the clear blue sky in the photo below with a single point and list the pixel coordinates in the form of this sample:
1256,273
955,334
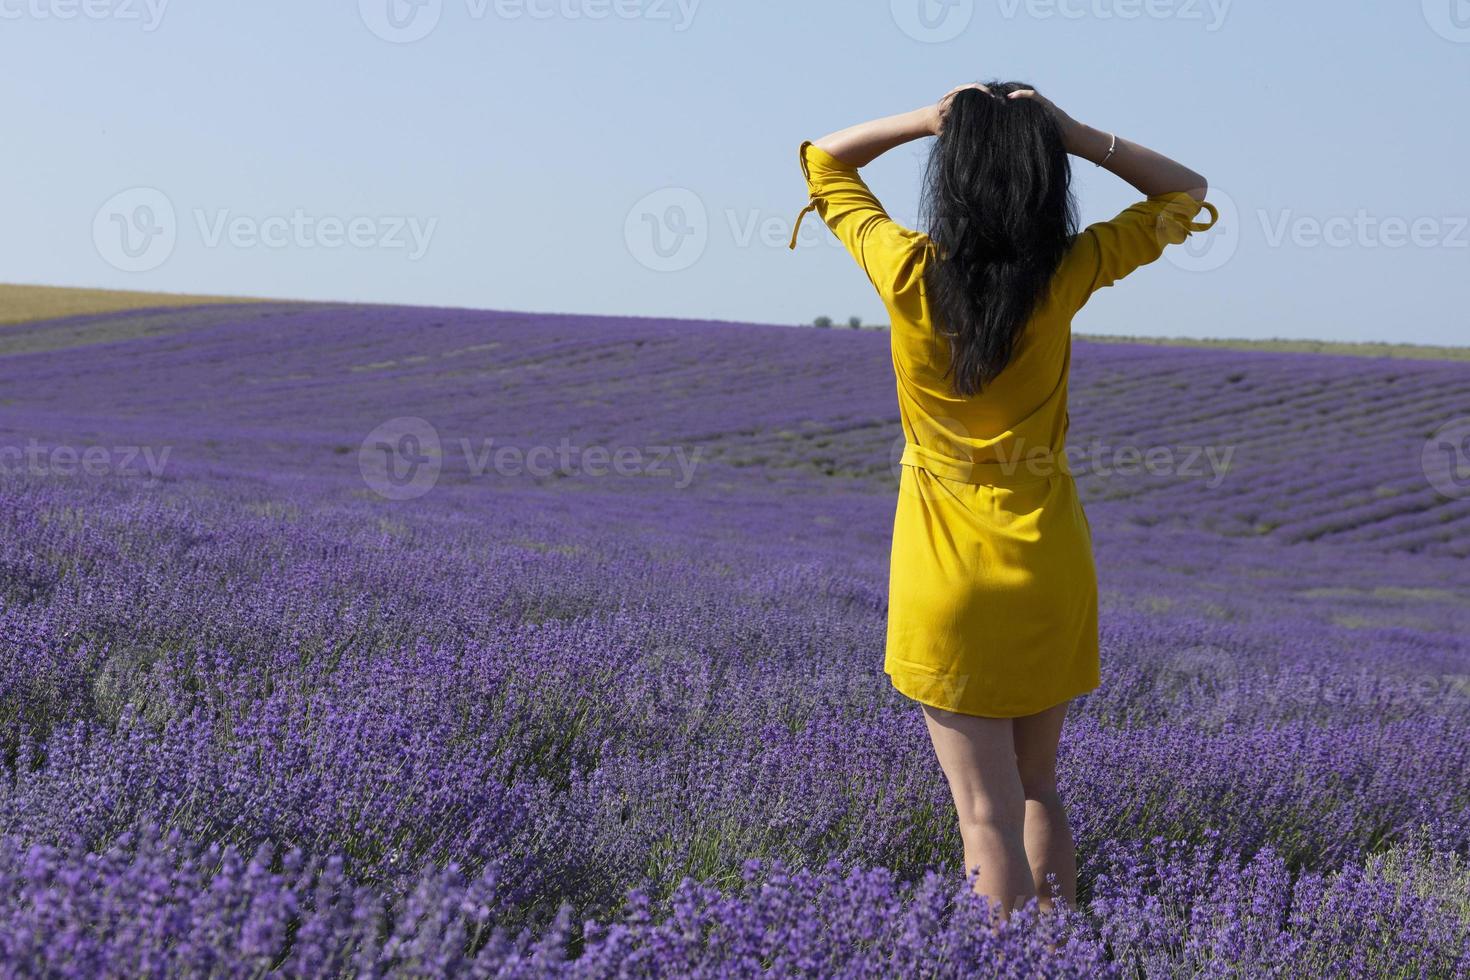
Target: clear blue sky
523,153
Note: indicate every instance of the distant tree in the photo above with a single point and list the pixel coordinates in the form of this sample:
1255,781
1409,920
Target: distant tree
823,323
855,322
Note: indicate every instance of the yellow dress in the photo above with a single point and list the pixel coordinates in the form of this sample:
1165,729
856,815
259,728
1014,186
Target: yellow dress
992,605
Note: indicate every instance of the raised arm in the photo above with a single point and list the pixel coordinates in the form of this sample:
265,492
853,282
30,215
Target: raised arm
860,145
1149,171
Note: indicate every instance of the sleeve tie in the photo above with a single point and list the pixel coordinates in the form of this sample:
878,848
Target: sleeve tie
804,212
1204,225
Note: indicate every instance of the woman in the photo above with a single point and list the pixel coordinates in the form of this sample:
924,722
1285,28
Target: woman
992,622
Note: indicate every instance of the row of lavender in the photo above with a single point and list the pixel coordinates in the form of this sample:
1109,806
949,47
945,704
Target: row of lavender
254,715
1245,444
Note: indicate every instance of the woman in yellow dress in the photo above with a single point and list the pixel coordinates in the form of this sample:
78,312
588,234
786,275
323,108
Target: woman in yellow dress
992,619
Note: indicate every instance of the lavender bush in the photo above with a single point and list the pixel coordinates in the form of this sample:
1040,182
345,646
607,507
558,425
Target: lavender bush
257,718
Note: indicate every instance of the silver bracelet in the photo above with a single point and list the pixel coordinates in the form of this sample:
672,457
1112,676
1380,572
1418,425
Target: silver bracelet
1113,146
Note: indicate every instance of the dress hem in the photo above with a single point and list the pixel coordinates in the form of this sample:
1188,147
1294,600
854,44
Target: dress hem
934,702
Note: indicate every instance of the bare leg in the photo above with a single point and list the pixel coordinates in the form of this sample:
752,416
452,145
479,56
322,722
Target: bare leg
978,756
1048,837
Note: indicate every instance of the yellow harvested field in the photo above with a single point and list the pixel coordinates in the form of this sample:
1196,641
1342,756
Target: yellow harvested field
23,304
1414,352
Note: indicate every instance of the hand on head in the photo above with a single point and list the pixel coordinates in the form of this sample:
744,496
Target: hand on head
1063,120
941,108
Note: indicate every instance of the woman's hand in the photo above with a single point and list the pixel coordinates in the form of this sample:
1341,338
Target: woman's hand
940,109
1070,127
1147,170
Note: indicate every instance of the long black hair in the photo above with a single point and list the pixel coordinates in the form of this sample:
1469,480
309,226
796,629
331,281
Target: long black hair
999,209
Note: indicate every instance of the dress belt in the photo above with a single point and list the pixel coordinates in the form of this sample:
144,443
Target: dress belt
1027,467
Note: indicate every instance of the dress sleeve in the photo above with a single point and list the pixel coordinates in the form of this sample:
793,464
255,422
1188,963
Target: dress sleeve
1109,250
885,249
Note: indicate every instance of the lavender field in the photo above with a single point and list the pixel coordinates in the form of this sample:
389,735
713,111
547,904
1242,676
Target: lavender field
629,719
